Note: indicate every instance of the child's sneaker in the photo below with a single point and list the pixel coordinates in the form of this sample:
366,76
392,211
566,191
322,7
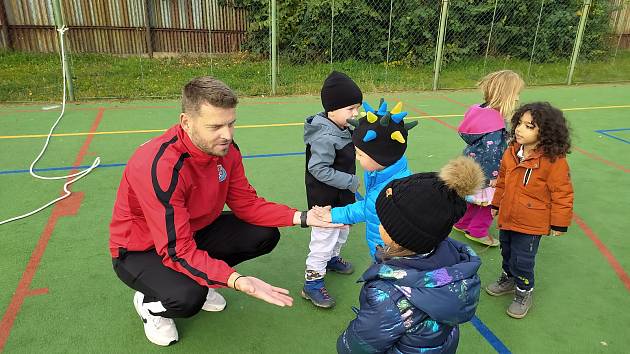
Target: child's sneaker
339,265
315,291
486,240
214,301
503,285
159,330
522,302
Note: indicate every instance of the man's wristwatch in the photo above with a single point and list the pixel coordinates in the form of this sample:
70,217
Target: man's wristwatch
303,219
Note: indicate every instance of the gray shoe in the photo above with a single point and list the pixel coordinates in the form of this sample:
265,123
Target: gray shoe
503,285
522,302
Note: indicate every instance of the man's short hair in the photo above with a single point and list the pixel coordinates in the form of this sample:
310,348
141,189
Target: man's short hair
207,89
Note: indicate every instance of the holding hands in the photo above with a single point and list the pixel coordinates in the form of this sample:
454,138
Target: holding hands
322,213
317,216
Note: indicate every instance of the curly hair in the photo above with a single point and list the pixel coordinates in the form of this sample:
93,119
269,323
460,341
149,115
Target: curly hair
553,134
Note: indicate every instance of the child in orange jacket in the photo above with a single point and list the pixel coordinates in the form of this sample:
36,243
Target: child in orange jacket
533,197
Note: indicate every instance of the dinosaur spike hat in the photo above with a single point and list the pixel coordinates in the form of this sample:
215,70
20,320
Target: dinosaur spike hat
380,133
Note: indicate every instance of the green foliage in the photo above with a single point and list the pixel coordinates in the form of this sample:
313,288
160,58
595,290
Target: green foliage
361,29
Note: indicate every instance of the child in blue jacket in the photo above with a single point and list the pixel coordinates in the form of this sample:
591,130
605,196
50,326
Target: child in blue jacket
424,284
380,141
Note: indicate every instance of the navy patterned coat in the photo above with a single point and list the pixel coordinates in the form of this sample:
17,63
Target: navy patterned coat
483,130
415,304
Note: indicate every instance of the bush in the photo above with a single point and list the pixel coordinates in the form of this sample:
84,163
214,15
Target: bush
361,26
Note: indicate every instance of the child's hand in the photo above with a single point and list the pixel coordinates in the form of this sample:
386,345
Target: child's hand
494,212
493,183
556,233
322,213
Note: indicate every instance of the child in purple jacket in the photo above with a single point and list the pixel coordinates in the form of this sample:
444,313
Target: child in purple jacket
483,130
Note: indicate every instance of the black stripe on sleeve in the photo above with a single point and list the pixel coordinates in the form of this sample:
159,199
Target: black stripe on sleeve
169,216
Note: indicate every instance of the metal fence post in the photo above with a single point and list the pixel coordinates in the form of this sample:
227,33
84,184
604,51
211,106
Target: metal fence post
440,44
578,39
274,47
332,30
389,34
531,56
147,28
59,22
494,16
5,25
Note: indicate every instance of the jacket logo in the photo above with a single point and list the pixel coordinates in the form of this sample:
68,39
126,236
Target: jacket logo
222,173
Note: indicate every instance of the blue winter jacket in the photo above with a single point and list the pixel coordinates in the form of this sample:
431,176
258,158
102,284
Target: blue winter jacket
365,210
415,304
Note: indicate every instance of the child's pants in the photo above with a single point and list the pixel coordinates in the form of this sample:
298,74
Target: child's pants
519,254
325,244
476,221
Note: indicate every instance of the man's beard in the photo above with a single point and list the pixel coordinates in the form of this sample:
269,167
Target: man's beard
205,147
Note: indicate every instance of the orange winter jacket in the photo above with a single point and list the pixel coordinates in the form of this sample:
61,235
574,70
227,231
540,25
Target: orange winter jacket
535,195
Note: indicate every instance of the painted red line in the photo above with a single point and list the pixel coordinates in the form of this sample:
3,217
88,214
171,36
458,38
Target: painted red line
23,289
601,159
86,144
425,114
623,276
453,101
66,207
35,292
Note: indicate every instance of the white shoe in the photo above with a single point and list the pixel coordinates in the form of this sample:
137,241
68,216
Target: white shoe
214,301
159,330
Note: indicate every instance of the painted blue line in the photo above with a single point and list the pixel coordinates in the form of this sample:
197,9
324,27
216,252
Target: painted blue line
494,341
612,130
8,172
605,132
273,155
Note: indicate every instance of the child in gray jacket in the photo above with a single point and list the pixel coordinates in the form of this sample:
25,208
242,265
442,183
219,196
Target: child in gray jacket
330,179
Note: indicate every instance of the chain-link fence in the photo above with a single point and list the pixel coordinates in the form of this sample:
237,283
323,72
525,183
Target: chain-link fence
150,48
518,35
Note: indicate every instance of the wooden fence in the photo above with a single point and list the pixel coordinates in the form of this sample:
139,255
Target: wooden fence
124,26
620,23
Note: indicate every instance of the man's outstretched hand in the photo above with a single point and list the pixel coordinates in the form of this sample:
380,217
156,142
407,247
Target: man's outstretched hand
261,290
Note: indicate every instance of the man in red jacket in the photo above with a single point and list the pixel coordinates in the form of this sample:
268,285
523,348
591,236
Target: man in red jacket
170,239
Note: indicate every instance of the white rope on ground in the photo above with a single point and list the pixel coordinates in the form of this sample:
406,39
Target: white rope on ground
73,177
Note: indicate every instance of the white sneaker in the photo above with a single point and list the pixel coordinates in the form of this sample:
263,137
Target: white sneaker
214,301
159,330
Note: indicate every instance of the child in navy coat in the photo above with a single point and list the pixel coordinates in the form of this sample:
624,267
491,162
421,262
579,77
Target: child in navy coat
423,284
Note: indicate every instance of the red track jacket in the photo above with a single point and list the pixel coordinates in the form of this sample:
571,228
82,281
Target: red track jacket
170,189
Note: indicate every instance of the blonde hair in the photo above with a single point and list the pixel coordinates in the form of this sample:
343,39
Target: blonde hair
500,91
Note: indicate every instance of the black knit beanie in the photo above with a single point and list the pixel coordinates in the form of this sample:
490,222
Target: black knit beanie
418,212
340,91
382,134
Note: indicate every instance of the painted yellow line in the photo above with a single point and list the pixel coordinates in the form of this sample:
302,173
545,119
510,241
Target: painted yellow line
27,136
593,108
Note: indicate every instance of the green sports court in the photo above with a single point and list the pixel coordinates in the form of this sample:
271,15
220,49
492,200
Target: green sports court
59,293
